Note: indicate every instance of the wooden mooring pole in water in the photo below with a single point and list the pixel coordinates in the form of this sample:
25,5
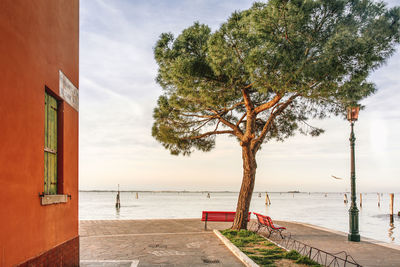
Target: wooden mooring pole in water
360,200
345,199
137,195
118,203
267,200
391,207
379,200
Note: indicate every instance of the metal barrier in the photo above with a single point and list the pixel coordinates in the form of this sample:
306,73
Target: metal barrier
340,259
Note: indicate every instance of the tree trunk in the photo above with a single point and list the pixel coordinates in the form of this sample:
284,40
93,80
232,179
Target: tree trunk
246,191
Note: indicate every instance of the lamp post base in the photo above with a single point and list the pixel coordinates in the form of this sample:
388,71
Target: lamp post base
354,237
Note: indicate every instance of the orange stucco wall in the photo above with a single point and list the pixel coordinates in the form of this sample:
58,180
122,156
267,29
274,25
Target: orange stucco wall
37,39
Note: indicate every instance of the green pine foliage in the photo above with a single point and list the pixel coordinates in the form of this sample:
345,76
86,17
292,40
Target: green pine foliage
268,70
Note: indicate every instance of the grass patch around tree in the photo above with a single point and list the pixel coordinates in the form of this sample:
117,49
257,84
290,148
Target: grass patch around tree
265,253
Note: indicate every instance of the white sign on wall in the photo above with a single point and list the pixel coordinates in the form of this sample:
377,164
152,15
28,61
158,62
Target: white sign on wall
68,91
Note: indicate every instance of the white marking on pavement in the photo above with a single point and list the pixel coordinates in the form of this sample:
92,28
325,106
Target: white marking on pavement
162,253
183,233
134,263
193,245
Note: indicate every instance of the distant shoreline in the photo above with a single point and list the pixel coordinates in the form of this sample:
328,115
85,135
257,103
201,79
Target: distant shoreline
163,191
236,192
185,191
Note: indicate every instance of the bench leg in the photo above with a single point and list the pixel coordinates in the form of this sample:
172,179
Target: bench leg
269,233
258,228
280,232
265,230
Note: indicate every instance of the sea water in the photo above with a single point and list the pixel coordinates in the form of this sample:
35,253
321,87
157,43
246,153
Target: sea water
321,209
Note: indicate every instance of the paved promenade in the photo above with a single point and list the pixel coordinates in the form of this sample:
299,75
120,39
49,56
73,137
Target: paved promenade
366,253
180,242
183,242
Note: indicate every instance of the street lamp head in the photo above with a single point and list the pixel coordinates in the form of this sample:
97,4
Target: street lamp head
352,113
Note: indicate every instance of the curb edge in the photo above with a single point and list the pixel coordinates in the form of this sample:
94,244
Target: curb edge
237,252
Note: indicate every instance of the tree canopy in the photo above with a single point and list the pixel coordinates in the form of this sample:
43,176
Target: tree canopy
266,72
286,61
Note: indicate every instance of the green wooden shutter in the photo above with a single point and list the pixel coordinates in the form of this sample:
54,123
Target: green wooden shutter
50,145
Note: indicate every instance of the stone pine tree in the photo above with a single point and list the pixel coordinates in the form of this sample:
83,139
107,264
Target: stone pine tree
265,73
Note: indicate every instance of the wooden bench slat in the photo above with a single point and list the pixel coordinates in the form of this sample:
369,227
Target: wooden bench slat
220,216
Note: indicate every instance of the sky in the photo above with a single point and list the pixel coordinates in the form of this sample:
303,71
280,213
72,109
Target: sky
118,93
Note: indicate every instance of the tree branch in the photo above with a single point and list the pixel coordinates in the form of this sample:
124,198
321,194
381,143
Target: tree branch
286,30
238,54
258,141
204,123
233,107
241,119
216,127
312,127
248,86
236,130
224,110
198,116
208,134
269,104
247,101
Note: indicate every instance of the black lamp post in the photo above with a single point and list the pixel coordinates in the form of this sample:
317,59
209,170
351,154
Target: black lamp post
352,116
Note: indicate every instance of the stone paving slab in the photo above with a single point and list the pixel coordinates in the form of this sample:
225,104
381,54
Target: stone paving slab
368,252
179,242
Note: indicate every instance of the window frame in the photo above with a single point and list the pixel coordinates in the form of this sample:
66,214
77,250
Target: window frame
59,141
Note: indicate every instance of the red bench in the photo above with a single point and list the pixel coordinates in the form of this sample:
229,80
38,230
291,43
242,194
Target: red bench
265,221
219,216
